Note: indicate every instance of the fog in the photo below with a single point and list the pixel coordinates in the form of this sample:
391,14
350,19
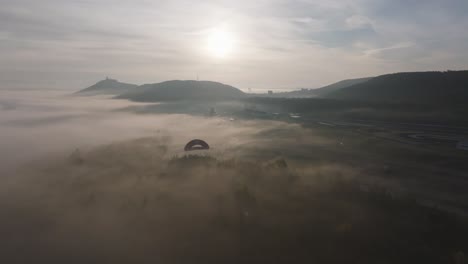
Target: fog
39,124
77,172
87,180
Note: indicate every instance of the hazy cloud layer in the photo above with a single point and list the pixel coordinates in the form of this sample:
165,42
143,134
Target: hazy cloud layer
279,44
38,125
129,194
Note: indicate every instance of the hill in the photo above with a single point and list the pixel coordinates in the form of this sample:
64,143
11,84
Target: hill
410,87
338,86
319,92
183,90
108,86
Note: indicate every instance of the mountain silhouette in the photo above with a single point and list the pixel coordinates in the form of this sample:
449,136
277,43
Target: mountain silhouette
182,90
338,86
409,87
107,86
319,92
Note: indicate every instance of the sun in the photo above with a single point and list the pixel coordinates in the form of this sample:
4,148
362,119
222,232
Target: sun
220,43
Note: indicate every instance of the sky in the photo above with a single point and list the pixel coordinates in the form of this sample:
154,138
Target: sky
262,44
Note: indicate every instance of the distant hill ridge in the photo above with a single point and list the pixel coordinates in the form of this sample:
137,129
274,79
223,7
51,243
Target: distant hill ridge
339,85
411,87
320,92
108,86
406,87
183,90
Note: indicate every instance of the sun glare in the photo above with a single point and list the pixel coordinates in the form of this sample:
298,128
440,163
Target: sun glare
220,43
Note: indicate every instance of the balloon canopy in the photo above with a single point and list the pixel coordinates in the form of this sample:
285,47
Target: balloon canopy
196,144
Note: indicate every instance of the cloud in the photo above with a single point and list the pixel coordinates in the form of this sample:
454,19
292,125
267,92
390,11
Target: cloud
356,21
385,49
70,44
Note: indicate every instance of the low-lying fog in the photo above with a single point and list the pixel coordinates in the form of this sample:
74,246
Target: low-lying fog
38,124
85,181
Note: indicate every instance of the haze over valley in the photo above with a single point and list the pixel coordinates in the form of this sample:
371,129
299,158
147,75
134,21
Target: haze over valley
114,167
233,132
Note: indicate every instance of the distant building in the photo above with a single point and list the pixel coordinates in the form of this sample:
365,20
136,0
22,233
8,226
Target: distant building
270,92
